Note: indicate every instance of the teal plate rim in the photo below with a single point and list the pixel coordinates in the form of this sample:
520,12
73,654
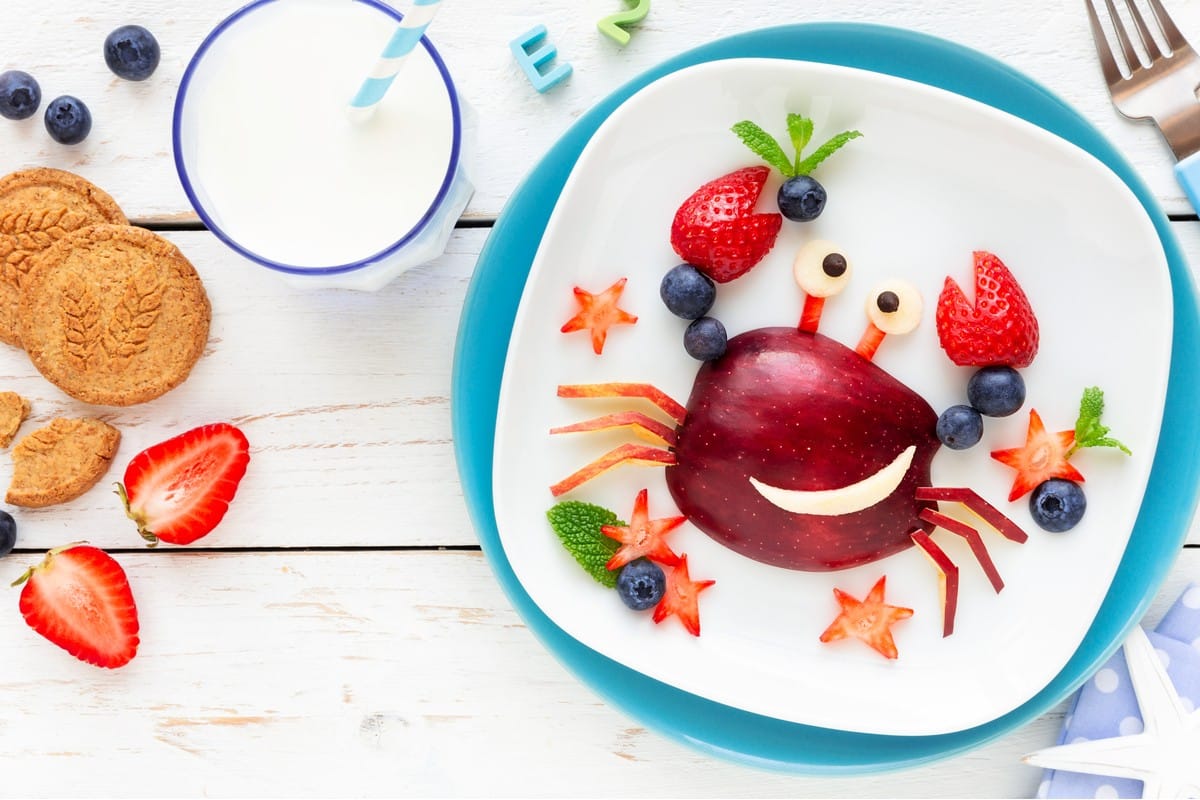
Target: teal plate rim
740,736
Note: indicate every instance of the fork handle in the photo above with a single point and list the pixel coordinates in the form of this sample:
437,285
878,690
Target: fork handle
1187,172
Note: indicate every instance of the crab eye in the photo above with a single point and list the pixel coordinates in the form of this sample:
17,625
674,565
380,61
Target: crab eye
894,307
821,268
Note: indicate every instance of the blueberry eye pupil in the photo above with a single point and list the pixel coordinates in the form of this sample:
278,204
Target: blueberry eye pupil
834,265
888,302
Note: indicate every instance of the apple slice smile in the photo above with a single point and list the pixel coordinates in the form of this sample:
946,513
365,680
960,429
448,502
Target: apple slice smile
846,500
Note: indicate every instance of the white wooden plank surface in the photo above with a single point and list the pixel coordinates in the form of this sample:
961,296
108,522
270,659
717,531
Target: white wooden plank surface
383,674
129,151
350,443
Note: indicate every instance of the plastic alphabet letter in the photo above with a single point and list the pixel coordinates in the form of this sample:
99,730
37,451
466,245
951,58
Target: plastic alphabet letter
532,52
611,26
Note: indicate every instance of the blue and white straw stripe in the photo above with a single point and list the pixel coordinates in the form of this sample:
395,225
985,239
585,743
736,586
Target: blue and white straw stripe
403,42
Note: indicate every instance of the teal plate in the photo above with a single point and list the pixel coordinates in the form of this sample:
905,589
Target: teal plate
491,306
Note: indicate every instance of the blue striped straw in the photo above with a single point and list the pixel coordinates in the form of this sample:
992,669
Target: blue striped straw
403,42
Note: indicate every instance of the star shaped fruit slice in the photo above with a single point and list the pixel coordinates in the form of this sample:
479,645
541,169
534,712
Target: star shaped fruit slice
870,620
681,598
598,313
642,537
1044,456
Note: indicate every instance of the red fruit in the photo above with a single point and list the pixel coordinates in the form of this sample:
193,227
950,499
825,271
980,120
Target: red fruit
642,537
1043,457
999,329
716,229
79,599
681,598
598,313
869,620
178,490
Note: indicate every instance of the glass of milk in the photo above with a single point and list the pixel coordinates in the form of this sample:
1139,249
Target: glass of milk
277,169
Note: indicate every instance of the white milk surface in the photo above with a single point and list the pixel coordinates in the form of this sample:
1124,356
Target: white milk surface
273,155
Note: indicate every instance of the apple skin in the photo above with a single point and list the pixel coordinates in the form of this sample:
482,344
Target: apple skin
798,410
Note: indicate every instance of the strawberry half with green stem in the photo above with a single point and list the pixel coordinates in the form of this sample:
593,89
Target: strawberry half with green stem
79,599
801,198
178,490
998,329
716,229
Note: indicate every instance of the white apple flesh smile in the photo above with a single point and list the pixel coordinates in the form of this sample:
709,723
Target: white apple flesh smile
845,500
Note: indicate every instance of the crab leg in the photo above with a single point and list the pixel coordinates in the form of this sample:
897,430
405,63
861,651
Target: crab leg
643,390
639,454
973,539
978,506
641,424
871,339
947,579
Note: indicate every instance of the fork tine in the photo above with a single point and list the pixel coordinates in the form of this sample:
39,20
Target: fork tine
1143,32
1174,38
1132,62
1108,63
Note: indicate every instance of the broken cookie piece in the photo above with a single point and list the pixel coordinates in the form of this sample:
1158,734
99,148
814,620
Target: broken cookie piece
61,461
13,411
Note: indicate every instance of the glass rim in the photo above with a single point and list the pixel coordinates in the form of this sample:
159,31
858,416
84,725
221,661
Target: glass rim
337,269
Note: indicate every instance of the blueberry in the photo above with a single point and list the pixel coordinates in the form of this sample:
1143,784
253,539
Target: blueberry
801,198
8,533
68,120
705,339
959,427
1057,505
996,391
131,52
641,584
687,292
20,95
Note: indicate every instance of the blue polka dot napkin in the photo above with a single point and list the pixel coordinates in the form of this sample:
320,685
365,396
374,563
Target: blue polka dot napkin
1106,707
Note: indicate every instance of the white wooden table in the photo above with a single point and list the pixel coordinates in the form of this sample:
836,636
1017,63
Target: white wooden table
340,633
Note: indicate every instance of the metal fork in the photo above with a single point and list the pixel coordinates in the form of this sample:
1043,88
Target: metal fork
1165,89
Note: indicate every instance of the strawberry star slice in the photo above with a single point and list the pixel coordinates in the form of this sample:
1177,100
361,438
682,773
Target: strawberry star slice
642,537
680,598
1044,456
870,620
598,313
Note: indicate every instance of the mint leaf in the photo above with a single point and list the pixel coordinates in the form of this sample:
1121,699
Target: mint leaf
825,151
577,525
764,146
1089,432
800,129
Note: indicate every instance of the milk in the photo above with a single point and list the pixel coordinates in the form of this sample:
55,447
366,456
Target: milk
275,163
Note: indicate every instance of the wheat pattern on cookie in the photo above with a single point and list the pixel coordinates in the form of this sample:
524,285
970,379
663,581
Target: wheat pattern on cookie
81,321
29,232
129,324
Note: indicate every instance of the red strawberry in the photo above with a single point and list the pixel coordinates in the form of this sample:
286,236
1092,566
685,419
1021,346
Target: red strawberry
642,537
716,229
79,598
869,620
178,490
999,329
681,597
1044,456
598,313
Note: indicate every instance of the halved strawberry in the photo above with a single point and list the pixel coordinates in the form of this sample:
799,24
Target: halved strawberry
178,490
642,537
1043,456
79,599
716,229
598,313
869,620
998,329
680,597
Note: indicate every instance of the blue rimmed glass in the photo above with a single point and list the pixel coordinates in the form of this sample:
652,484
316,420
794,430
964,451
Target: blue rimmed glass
423,242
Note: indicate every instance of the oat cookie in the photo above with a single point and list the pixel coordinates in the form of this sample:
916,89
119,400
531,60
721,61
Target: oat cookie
61,461
114,315
13,411
37,208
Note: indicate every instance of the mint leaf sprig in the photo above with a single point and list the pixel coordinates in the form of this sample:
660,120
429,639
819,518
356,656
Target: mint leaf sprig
800,131
1089,432
577,526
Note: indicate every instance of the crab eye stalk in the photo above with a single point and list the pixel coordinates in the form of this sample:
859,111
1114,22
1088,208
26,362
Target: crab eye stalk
822,270
893,308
